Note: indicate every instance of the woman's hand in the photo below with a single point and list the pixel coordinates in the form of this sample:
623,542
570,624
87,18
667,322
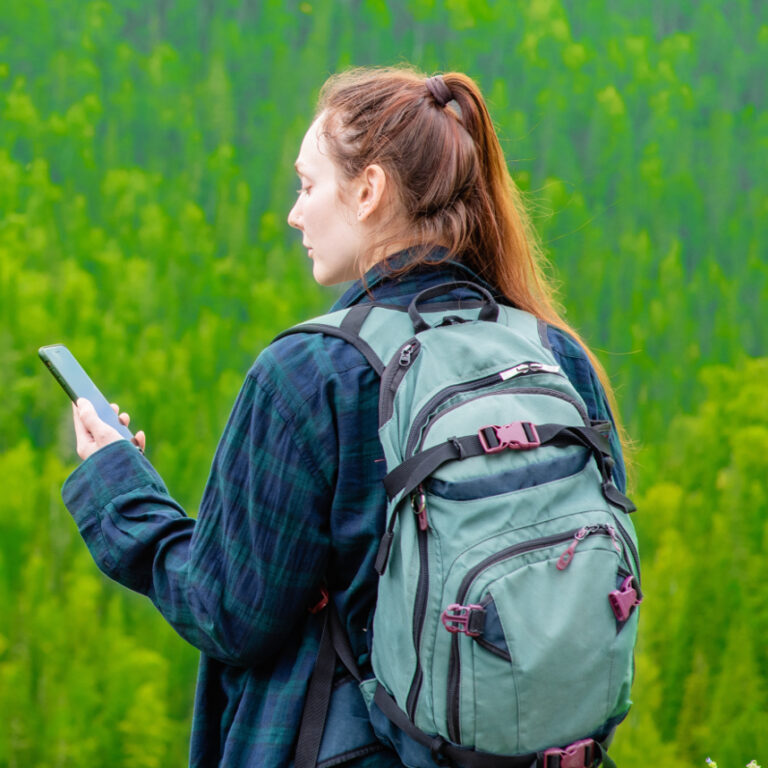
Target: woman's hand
92,433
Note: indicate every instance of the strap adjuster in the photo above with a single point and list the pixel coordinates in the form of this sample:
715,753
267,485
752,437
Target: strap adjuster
580,754
518,436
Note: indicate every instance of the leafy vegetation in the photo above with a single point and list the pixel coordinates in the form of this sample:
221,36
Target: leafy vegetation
145,175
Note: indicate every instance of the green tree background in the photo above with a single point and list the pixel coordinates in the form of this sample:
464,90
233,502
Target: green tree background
146,155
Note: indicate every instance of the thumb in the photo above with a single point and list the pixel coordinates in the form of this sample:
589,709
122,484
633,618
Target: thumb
91,420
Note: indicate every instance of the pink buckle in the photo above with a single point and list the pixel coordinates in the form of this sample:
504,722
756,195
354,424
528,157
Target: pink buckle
518,436
456,618
580,754
625,599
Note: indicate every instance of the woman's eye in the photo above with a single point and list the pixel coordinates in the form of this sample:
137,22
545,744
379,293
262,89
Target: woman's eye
302,189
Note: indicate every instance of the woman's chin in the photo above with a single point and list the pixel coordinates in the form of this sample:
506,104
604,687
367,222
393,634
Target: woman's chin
327,277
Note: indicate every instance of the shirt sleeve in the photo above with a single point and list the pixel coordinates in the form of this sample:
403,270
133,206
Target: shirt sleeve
237,581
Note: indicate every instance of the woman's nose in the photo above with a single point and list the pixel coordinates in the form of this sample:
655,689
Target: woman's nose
294,219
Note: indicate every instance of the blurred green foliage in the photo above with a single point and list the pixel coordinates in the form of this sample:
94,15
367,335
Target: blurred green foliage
145,175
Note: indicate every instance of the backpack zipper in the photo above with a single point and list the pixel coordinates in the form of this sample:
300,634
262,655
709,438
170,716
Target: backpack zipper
627,539
420,601
454,662
392,377
524,369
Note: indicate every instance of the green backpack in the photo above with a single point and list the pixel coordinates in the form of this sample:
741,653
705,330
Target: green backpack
506,618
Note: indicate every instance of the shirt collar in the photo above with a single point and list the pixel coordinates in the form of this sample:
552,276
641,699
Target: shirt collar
380,284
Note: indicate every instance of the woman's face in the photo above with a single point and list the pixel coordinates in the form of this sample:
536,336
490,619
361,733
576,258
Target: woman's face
333,236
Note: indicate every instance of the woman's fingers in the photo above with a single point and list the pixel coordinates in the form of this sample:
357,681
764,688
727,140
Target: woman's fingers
140,439
92,433
85,442
81,434
99,430
124,418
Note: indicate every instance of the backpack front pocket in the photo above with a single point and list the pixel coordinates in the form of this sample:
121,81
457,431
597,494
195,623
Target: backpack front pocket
546,624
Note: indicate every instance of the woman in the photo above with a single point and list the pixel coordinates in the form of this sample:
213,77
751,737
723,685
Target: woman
403,186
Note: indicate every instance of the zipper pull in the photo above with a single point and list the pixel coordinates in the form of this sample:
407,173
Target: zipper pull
523,369
518,370
420,508
405,355
567,556
612,533
580,535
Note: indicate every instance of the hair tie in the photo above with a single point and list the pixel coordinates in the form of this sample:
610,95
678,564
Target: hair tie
440,91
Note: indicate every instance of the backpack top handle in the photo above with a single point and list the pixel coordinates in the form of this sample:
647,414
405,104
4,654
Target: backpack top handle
489,310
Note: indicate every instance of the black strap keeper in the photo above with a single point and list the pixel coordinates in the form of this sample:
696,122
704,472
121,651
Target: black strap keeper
476,624
457,445
383,554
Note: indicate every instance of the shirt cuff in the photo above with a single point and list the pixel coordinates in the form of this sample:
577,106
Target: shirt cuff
111,471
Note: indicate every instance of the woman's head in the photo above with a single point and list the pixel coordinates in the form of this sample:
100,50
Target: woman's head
348,219
446,179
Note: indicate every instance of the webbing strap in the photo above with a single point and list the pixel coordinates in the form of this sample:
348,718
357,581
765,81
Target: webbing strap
341,643
333,644
606,760
362,346
599,444
416,469
411,472
407,476
317,701
355,317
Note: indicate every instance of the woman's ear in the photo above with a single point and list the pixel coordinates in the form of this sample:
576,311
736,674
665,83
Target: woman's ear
371,191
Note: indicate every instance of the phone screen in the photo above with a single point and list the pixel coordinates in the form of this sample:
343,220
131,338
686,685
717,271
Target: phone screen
77,383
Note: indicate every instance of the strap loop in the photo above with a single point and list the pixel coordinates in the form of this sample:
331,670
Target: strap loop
489,311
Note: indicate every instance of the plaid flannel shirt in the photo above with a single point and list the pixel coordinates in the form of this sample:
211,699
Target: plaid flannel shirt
294,499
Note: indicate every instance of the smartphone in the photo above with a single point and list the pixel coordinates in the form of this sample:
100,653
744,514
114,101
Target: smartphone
77,383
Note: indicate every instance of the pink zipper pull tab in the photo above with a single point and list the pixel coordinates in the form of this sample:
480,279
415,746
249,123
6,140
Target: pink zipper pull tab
567,556
420,508
612,532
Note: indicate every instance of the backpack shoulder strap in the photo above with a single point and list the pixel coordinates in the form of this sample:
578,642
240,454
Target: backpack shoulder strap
344,324
333,645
